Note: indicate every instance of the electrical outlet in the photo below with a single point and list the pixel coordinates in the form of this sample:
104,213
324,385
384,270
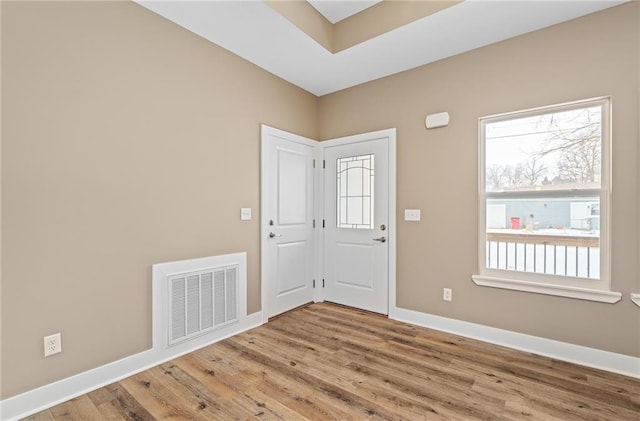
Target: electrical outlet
52,344
447,294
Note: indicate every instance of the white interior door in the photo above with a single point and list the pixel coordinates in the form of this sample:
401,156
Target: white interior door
359,220
288,250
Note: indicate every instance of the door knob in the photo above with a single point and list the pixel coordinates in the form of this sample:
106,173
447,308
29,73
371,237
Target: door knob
381,239
273,235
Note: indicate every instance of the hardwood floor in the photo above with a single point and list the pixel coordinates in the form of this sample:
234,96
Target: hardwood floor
325,362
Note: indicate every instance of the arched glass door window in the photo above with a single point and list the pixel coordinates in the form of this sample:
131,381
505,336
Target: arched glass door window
355,181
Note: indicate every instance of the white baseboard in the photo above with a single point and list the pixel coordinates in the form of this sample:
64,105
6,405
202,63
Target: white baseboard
590,357
44,397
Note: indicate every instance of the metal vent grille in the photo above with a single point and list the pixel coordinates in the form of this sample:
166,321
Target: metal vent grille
202,301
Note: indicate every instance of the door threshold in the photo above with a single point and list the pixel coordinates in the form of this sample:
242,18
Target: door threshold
374,313
289,311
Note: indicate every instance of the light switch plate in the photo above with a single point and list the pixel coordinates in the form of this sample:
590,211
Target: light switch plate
412,214
245,214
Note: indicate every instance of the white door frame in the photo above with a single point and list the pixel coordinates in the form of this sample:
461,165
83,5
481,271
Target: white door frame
391,235
319,208
265,133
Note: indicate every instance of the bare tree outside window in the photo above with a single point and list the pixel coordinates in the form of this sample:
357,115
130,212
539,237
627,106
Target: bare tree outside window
562,148
533,171
578,142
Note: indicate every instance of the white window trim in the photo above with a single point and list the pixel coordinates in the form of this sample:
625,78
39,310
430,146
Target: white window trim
550,289
572,287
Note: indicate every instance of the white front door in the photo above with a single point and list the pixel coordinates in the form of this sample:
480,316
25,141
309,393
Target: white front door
359,220
288,249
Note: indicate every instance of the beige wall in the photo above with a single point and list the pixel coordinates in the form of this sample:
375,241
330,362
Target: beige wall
437,169
126,141
380,18
307,19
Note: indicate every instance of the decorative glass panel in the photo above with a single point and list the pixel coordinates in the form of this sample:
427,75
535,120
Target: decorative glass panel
354,181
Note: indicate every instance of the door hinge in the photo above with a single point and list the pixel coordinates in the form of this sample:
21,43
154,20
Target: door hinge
314,223
324,164
322,282
323,223
314,163
314,283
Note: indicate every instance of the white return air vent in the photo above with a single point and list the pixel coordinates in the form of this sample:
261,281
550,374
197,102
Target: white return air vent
201,301
195,297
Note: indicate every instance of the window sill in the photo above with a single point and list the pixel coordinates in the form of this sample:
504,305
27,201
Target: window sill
635,298
549,289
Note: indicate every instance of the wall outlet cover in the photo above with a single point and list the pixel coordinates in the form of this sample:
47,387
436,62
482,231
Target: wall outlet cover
412,214
52,344
245,214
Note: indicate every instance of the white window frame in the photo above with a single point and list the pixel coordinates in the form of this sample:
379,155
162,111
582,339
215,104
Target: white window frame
565,286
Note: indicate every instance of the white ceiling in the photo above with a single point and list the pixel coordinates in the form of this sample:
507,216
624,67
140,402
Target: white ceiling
256,32
335,11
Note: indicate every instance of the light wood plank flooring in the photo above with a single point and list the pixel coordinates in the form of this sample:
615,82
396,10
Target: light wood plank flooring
324,362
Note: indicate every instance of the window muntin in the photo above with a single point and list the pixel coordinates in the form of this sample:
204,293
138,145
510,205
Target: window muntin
355,180
544,195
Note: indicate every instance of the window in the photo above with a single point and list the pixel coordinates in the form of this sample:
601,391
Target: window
354,178
544,195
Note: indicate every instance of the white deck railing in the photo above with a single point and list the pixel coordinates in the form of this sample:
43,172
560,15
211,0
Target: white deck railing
556,252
